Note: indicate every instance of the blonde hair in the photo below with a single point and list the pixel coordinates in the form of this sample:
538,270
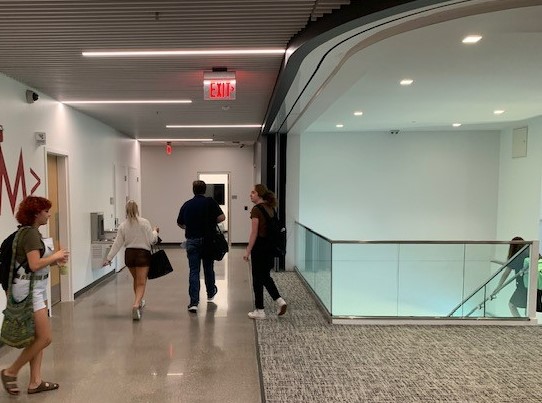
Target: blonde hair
132,211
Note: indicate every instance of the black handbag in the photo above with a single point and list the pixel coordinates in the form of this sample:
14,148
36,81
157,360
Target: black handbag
216,245
160,264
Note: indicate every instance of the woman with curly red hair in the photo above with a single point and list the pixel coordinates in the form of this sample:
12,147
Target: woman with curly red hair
32,258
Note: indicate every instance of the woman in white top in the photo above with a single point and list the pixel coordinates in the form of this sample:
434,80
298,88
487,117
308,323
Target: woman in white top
137,235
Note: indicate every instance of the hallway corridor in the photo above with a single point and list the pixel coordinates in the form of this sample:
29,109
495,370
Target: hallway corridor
99,354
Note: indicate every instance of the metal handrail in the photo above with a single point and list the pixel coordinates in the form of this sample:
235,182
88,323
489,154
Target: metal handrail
493,295
491,278
421,242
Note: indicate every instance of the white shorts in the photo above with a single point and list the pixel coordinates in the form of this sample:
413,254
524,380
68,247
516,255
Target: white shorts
20,288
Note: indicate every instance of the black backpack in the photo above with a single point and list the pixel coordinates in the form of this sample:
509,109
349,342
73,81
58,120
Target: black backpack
6,254
276,233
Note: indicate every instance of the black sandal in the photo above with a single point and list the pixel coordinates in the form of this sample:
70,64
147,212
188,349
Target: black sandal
10,383
44,387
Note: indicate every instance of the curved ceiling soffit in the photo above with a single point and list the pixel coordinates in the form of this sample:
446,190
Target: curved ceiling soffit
360,33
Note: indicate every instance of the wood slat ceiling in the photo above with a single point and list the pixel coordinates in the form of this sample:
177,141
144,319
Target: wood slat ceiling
41,43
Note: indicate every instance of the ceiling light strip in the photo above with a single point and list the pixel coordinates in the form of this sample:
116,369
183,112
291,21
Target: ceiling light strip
212,126
217,52
472,39
172,140
172,101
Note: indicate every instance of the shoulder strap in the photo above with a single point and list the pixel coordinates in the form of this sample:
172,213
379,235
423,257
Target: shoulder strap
14,261
20,233
264,212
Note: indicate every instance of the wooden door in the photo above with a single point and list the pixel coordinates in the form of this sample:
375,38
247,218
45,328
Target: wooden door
52,192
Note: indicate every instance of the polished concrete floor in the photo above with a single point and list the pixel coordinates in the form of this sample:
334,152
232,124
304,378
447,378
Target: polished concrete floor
99,354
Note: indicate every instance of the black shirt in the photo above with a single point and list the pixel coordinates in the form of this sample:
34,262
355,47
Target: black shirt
199,215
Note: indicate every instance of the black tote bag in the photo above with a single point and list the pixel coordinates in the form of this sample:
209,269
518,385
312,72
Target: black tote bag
160,264
215,246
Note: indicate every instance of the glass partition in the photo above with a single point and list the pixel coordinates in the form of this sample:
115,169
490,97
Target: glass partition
413,279
313,259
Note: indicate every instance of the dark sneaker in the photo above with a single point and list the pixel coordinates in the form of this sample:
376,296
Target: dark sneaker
192,308
211,297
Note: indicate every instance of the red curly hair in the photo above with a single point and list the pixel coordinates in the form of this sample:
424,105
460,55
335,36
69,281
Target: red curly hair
30,207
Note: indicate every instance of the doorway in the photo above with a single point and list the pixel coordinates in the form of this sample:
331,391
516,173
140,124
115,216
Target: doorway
57,193
218,187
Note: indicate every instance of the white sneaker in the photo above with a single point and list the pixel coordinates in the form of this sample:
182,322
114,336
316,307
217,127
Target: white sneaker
212,297
281,306
192,308
257,314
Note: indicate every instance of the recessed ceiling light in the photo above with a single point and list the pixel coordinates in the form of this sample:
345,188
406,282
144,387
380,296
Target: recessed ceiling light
339,125
212,126
456,124
358,113
498,112
202,52
171,140
149,101
406,81
471,39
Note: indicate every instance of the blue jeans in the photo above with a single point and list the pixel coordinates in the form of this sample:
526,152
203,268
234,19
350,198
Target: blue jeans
194,251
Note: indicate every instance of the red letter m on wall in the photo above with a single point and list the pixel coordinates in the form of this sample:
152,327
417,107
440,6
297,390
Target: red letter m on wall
19,181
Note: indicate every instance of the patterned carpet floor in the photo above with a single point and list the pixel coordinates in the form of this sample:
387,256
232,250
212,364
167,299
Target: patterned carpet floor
305,359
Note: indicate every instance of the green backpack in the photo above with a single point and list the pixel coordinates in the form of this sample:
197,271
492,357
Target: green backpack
526,273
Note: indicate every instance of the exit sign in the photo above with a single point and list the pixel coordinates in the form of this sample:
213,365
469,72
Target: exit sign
219,86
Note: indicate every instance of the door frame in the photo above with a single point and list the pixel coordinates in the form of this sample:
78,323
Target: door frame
228,193
66,281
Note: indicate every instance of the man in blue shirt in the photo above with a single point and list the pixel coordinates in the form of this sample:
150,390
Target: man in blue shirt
199,217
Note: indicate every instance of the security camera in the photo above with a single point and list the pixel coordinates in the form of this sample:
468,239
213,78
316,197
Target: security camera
31,96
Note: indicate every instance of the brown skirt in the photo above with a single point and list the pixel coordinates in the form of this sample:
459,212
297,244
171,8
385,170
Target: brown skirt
134,257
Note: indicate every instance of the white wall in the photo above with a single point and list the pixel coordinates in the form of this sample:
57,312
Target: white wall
166,183
91,148
519,185
376,186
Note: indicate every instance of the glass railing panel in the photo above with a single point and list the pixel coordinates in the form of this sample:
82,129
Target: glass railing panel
310,258
496,307
494,300
365,279
322,271
430,278
409,279
300,235
313,260
478,270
